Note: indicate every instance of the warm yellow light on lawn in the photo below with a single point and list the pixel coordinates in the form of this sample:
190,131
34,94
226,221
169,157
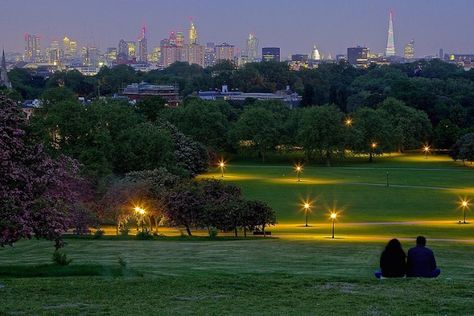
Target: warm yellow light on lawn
222,166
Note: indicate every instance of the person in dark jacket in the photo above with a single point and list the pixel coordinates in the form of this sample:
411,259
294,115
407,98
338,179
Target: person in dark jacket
421,261
392,261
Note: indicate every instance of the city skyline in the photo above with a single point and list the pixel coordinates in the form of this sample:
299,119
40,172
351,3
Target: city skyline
331,27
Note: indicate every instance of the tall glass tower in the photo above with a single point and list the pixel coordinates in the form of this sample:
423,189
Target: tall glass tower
390,51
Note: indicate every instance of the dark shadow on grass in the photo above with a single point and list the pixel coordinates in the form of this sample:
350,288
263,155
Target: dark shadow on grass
52,270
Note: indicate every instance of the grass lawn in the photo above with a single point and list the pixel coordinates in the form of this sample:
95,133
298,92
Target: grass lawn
247,277
301,272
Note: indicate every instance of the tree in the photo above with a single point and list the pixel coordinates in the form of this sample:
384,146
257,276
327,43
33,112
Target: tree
411,127
260,214
370,133
258,127
463,149
151,108
445,134
37,193
321,132
184,205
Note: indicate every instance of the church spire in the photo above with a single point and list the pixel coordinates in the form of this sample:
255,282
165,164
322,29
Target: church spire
4,81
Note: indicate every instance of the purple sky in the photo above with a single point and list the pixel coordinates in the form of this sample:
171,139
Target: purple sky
293,25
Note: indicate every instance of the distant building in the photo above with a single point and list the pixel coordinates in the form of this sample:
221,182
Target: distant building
271,54
390,50
111,55
4,81
193,34
131,50
32,48
210,55
138,91
122,52
315,54
252,48
409,51
69,48
358,56
288,97
225,51
195,54
143,47
441,54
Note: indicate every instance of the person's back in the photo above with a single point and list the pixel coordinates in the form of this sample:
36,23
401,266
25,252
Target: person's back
421,261
392,261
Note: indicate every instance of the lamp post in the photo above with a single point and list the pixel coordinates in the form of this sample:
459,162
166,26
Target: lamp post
141,212
222,166
465,206
307,210
426,150
373,146
333,217
298,170
348,122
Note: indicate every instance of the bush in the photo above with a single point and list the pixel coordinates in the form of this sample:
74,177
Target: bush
124,230
213,232
98,234
60,258
144,235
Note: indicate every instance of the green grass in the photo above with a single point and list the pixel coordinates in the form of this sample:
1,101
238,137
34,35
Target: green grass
245,277
302,272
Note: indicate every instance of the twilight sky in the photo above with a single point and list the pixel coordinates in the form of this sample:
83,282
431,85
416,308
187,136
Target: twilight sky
293,25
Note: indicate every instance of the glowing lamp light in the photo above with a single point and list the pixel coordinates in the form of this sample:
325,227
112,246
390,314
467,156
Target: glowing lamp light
140,210
333,217
307,209
298,170
465,205
374,145
221,165
348,122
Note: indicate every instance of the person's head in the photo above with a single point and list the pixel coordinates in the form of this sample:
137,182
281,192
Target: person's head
421,241
393,245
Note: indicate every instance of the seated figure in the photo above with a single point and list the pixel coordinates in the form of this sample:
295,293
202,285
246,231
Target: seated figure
421,261
392,261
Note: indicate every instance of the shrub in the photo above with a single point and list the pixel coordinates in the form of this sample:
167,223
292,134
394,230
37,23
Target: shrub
213,232
124,230
98,233
60,258
144,235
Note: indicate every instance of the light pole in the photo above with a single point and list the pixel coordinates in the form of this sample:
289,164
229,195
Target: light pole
373,146
307,209
222,166
333,217
348,122
465,206
141,212
426,150
298,170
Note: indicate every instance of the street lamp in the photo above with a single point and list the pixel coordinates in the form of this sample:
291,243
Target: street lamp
333,217
141,212
426,150
465,205
298,170
222,166
307,209
348,122
373,146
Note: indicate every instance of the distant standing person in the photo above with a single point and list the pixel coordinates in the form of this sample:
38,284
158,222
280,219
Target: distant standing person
392,261
421,261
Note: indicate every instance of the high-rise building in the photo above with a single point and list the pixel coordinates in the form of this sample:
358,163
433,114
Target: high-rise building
195,54
210,55
142,46
315,54
441,54
225,51
131,50
390,50
122,52
179,39
193,34
271,54
90,56
4,81
32,48
409,51
69,48
358,56
155,55
111,55
252,48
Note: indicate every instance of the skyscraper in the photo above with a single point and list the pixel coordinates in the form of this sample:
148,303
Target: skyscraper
409,51
358,56
193,34
390,51
179,39
315,53
122,52
252,48
131,50
32,48
69,48
142,46
4,81
225,51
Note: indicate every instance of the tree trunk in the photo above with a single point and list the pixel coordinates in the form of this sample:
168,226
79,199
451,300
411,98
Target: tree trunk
370,157
263,229
245,232
235,231
188,230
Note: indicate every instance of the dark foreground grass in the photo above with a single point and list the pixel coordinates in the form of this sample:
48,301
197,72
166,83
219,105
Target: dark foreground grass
244,277
53,270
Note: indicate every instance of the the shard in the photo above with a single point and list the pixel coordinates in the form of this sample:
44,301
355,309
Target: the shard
390,51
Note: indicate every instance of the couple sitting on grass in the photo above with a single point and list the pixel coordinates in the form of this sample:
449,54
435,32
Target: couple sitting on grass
420,262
